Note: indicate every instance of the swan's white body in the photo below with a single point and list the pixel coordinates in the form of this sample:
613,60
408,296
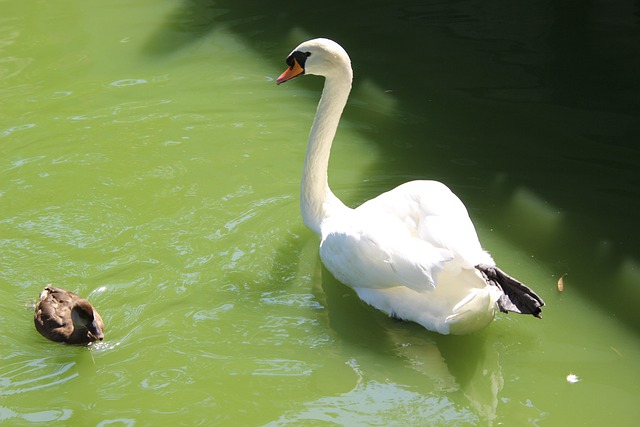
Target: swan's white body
410,252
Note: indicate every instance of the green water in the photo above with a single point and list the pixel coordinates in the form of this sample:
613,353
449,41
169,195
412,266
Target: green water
149,162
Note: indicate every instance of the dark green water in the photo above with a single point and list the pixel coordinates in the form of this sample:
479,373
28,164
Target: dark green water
149,162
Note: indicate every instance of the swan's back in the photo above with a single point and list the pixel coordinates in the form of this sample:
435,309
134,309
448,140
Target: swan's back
433,213
411,252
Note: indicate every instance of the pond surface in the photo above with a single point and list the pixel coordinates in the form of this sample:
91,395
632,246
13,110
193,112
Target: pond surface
149,162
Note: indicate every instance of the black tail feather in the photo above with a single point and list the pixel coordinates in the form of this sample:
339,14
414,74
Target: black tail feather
517,296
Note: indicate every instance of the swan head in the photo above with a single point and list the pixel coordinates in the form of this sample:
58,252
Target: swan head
322,57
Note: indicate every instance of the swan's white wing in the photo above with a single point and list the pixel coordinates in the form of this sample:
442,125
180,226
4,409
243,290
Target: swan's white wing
434,214
377,251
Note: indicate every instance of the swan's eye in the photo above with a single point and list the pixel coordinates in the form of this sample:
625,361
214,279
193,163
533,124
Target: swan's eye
299,56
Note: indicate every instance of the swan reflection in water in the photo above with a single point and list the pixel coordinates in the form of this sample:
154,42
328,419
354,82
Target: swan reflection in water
459,377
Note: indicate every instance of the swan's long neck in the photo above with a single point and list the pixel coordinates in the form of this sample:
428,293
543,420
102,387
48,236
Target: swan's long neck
317,202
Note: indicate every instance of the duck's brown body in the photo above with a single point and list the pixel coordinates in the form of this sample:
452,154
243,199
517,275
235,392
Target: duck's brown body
63,316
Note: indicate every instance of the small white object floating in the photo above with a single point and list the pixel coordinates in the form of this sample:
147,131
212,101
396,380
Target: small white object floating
572,378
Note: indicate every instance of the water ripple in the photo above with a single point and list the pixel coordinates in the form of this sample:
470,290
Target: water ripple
160,379
18,128
128,82
11,66
37,416
128,422
283,368
376,403
210,314
22,377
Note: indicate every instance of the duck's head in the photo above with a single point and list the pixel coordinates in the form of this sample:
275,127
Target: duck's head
322,57
87,323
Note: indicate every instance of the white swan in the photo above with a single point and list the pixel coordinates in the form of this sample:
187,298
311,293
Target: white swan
411,252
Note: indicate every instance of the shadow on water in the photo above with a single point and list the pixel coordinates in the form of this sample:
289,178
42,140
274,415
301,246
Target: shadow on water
466,368
355,322
525,108
189,22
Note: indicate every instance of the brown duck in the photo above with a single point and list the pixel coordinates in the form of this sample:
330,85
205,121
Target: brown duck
63,316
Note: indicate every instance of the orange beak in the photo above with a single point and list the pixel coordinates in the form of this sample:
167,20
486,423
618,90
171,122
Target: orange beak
294,71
